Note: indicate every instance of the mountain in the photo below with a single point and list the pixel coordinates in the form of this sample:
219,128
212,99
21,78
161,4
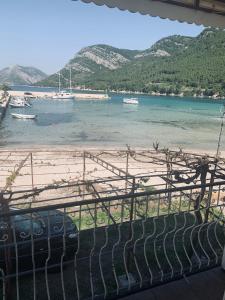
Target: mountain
19,75
173,65
99,58
91,60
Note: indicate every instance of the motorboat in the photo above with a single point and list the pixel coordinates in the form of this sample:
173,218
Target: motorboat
23,116
130,101
15,105
19,102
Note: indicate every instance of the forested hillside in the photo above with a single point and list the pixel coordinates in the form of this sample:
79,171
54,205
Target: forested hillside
173,65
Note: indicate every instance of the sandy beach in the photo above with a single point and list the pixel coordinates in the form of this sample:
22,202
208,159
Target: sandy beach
38,167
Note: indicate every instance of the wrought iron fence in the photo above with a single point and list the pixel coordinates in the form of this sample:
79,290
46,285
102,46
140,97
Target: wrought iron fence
107,245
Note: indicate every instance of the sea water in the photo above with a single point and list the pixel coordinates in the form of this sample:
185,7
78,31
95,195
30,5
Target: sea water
172,121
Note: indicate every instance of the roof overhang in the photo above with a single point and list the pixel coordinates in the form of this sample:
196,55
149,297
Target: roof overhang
199,12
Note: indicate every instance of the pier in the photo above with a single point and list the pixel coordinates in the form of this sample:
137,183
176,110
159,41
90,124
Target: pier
78,96
4,101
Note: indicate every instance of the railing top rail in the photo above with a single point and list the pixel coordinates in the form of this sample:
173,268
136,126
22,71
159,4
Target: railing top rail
111,198
74,184
62,185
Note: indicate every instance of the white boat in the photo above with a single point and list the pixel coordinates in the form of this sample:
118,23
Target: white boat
63,94
14,104
22,116
19,102
130,101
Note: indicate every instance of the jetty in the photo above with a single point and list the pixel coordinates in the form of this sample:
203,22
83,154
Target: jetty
4,101
78,96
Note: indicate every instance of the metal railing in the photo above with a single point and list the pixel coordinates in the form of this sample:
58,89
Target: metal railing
107,245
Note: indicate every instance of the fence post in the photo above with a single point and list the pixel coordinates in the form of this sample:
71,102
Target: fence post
7,246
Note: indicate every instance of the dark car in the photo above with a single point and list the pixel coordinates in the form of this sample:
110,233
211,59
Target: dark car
37,239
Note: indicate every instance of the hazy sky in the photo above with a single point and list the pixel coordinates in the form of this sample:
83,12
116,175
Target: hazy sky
47,33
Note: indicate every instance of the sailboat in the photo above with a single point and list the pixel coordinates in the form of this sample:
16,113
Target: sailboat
63,94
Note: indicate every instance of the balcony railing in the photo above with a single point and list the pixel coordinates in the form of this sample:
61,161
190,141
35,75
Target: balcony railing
107,247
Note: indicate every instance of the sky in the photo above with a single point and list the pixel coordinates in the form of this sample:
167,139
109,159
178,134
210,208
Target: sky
47,33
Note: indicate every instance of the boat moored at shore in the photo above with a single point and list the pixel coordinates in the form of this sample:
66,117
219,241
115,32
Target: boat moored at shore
130,100
63,95
23,116
18,102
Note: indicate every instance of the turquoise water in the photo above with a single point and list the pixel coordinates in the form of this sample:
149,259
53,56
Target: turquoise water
175,122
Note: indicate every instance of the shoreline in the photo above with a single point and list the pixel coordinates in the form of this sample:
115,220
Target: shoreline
43,94
81,148
123,92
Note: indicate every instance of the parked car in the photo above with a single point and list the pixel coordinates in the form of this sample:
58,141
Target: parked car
36,238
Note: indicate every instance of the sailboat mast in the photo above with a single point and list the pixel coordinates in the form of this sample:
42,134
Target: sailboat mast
59,82
70,82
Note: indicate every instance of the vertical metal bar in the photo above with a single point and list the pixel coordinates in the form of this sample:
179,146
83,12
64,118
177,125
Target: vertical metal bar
48,258
180,201
17,258
130,226
100,257
33,257
3,284
63,254
84,172
76,256
32,173
209,242
132,201
155,247
141,238
148,238
127,168
189,200
115,246
177,232
210,194
218,196
92,253
32,170
7,248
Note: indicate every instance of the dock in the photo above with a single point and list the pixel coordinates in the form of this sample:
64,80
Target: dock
78,96
3,106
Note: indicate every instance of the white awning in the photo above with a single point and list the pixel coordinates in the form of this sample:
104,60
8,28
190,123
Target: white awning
200,12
